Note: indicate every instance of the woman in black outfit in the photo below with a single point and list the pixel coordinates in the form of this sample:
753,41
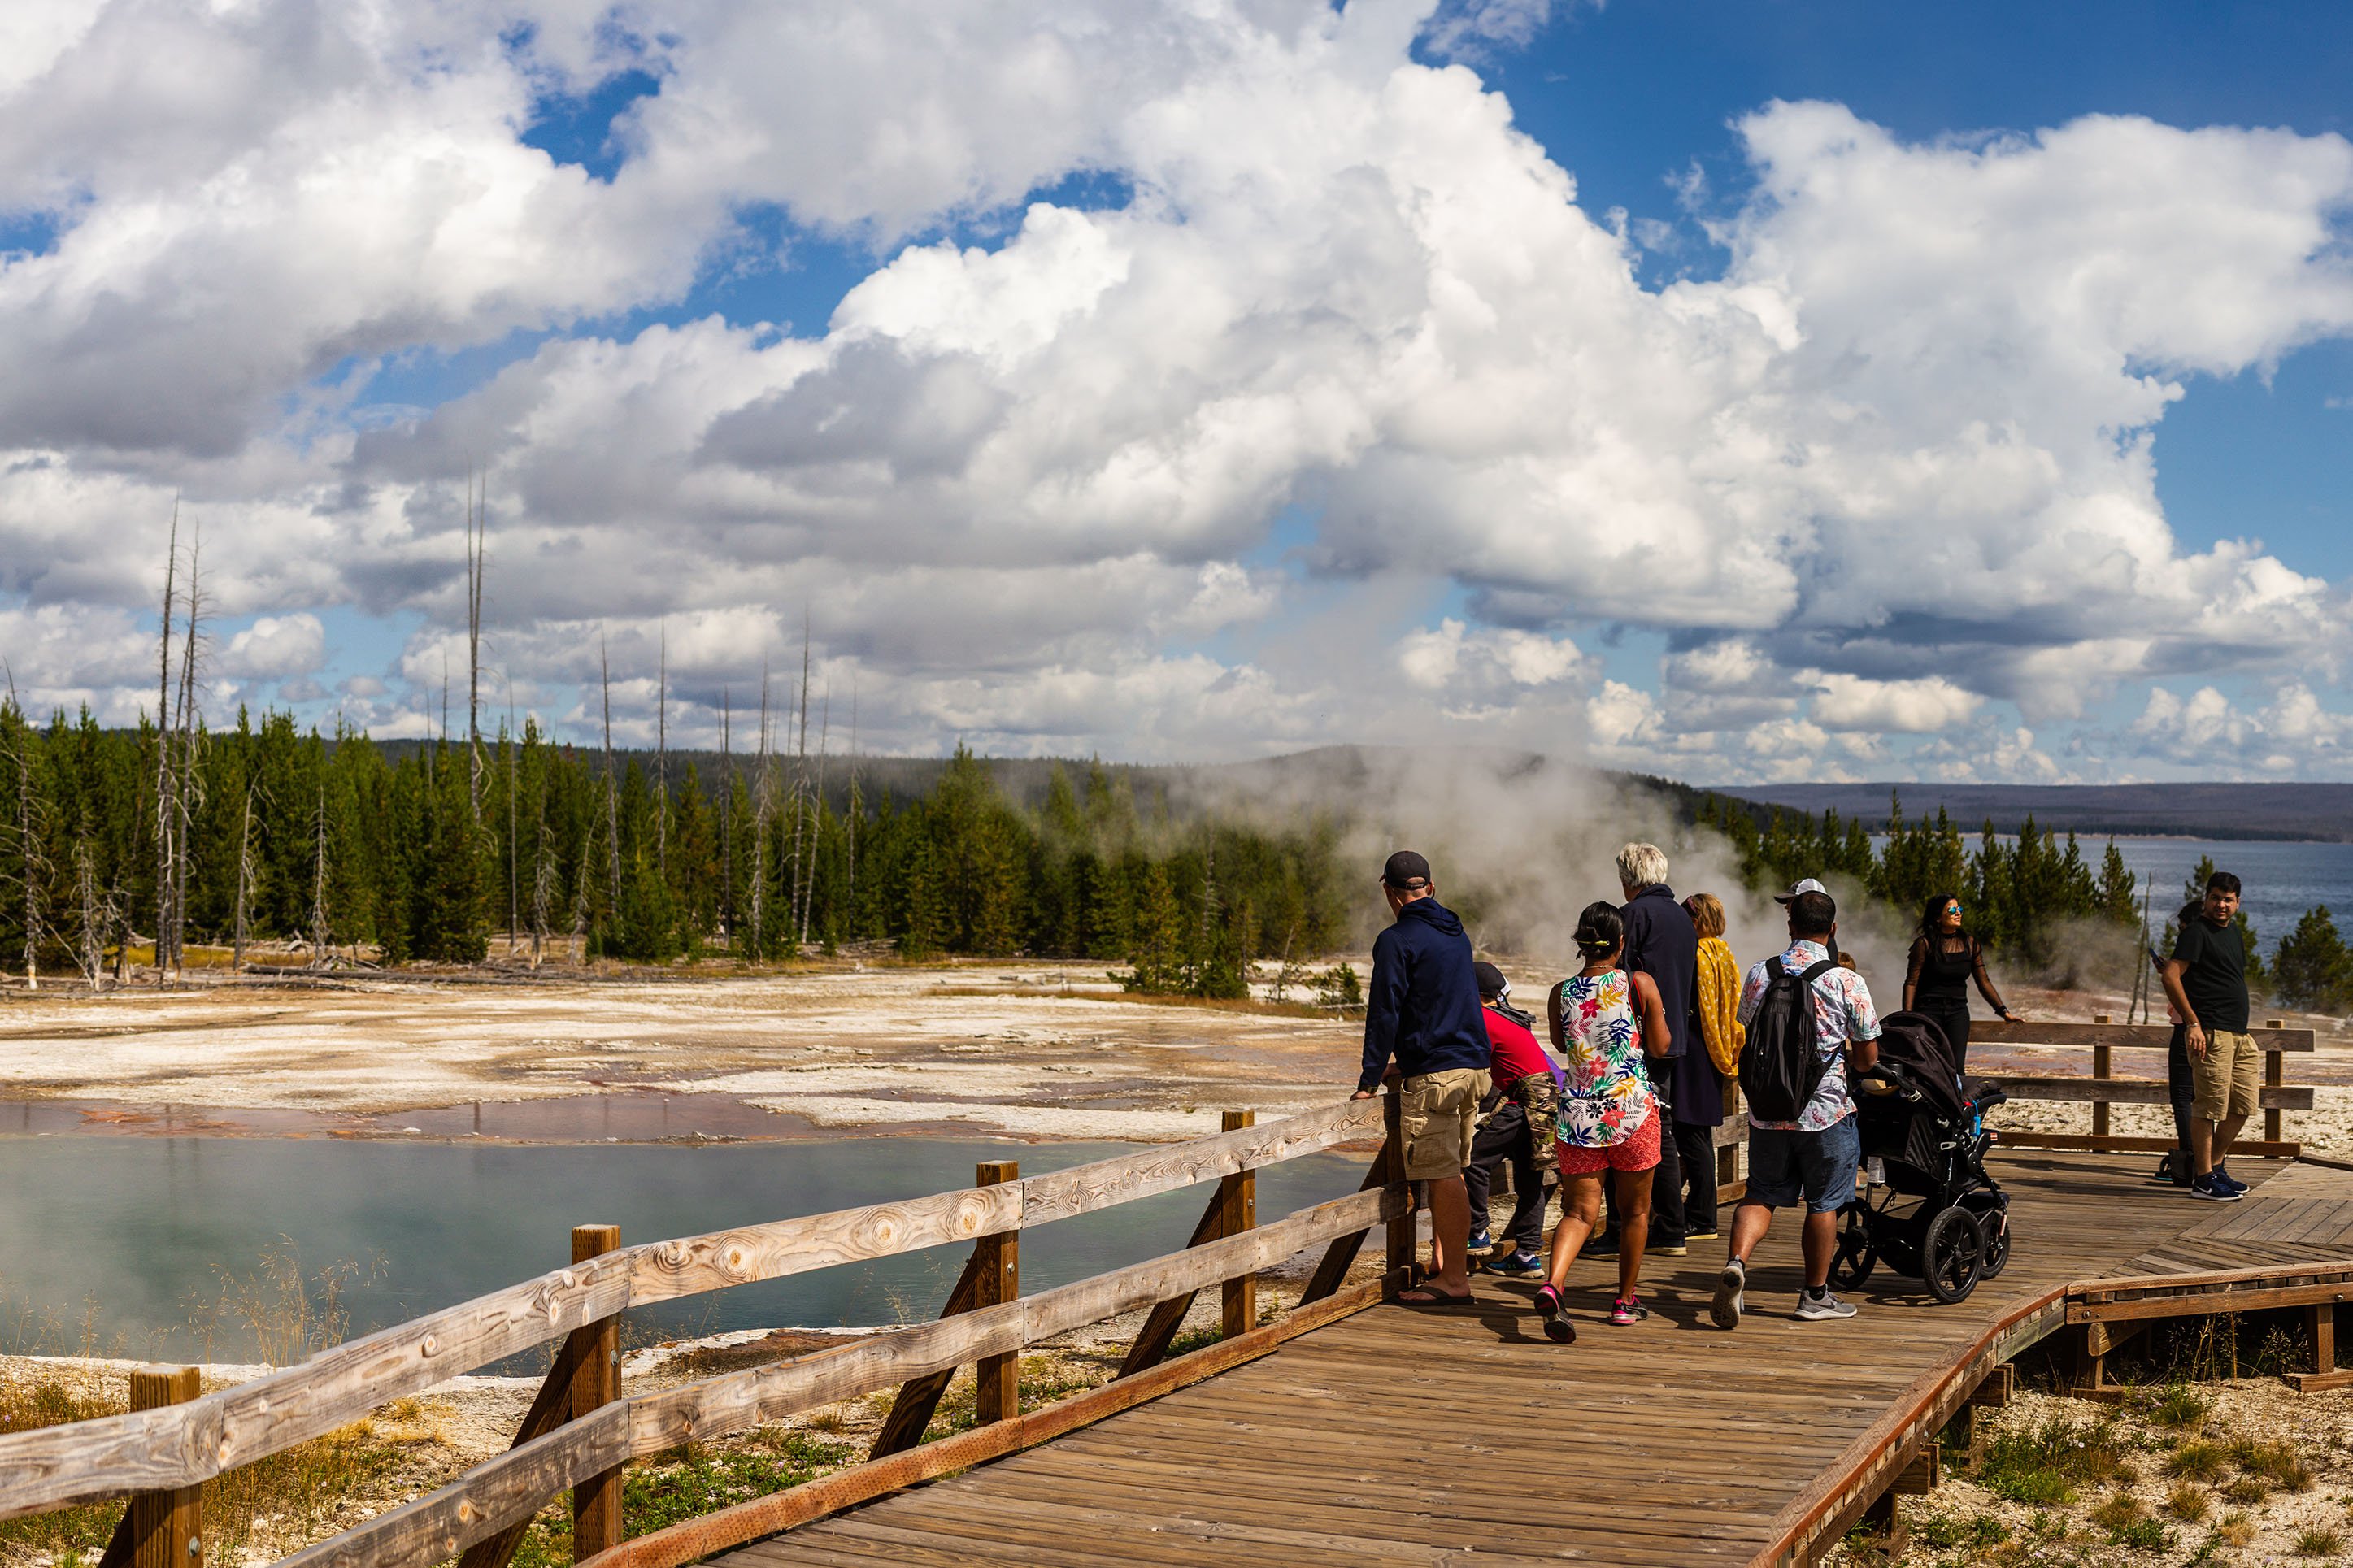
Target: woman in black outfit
1944,958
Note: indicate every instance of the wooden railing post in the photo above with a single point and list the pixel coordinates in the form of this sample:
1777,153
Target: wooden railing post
2103,1060
2274,1075
161,1529
596,1501
1237,1201
996,1279
1399,1254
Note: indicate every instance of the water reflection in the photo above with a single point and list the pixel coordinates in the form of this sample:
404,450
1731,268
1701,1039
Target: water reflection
141,1230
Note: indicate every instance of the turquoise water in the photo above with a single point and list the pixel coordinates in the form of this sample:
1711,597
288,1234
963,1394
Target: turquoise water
141,1233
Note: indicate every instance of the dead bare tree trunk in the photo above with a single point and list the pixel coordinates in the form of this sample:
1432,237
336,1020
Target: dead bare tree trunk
245,870
97,918
796,914
186,802
319,885
542,887
514,842
477,559
817,817
726,825
612,793
849,892
662,759
760,801
164,809
32,860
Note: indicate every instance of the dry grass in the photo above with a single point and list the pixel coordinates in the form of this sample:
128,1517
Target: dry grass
1143,999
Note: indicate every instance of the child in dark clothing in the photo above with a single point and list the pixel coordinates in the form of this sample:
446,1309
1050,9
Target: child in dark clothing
1523,1111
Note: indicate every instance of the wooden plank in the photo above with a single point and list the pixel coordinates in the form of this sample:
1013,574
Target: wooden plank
996,1282
2318,1381
493,1494
1997,1388
1923,1475
2273,1079
1237,1197
1160,1324
2130,1036
919,1397
183,1444
697,1538
2208,1303
551,1408
2127,1143
1341,1255
735,1401
164,1529
595,1383
2071,1088
1398,1260
1081,1189
665,1270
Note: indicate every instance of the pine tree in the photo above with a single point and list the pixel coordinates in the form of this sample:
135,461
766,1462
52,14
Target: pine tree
2312,968
1156,949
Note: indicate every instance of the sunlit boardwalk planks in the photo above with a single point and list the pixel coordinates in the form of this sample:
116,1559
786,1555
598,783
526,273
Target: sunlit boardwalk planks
1464,1436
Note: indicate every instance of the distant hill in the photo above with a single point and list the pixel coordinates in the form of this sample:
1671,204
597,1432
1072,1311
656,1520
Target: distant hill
2312,811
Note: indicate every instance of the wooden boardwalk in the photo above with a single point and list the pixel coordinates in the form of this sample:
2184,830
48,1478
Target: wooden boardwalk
1466,1437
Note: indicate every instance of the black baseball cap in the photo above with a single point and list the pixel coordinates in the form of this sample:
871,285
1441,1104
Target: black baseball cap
1405,871
1491,979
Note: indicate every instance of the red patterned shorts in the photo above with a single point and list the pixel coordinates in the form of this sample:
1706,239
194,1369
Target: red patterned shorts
1639,1153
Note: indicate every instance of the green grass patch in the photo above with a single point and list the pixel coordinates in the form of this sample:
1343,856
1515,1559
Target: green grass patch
2047,1464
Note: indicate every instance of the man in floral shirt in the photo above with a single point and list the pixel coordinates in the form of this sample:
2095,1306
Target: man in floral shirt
1816,1155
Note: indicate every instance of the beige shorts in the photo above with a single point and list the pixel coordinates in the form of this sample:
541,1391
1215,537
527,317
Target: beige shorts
1436,1116
2226,1076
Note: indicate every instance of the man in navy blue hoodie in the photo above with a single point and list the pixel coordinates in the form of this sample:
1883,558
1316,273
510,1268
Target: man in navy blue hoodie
1422,1008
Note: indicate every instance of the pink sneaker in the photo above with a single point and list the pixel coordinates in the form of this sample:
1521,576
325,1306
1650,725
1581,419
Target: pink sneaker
1626,1310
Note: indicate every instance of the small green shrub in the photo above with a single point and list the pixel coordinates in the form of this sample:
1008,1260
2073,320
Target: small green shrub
2187,1503
2180,1408
2319,1542
2197,1462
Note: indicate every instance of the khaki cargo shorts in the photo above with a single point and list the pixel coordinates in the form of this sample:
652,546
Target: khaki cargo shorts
1437,1115
2226,1076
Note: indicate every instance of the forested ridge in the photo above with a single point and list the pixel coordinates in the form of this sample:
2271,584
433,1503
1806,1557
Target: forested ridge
267,832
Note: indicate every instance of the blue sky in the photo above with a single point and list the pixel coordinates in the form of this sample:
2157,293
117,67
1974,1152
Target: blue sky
754,167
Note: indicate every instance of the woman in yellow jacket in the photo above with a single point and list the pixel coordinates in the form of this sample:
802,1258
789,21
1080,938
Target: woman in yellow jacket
1716,999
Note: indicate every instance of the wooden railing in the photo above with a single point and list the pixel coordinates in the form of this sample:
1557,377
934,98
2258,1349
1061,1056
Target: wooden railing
1864,1474
2103,1088
580,1432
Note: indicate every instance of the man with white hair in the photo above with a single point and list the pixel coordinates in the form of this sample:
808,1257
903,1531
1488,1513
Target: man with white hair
1663,942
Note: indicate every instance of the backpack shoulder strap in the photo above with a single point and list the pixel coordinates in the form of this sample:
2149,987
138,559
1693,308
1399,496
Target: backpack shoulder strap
1774,969
1816,971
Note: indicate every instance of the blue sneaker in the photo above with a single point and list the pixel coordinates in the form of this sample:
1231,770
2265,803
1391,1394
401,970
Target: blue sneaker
2222,1173
1518,1265
2212,1187
1481,1242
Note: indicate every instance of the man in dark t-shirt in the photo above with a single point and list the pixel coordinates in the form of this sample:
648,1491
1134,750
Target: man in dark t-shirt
2206,981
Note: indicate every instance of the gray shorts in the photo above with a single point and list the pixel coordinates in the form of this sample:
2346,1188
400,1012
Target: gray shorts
1821,1165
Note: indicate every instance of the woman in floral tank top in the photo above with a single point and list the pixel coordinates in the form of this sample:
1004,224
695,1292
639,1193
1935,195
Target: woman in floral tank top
1605,1021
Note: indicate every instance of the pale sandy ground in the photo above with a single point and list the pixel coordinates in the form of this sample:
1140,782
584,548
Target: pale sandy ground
2266,1531
1035,1050
1038,1050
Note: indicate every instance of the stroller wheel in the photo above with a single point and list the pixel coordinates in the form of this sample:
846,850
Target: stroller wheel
1856,1256
1952,1254
1994,1223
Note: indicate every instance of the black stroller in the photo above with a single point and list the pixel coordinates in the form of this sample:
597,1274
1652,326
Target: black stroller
1931,1210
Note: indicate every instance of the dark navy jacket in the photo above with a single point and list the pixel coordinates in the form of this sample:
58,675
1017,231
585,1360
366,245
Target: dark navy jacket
1423,1004
1662,942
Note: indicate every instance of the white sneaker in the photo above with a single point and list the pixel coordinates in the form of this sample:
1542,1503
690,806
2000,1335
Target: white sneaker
1730,1287
1811,1308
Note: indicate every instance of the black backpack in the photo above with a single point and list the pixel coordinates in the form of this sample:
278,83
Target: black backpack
1782,1066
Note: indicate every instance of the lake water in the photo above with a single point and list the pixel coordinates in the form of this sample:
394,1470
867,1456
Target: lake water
2281,879
140,1231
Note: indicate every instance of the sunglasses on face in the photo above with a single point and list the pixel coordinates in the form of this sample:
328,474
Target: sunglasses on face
1952,909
